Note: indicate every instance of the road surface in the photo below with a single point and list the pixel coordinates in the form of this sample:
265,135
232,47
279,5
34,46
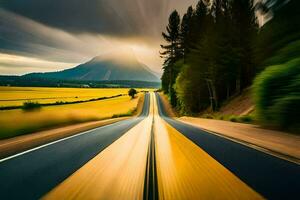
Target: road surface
148,157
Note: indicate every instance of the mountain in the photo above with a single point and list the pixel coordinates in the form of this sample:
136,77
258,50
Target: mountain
121,65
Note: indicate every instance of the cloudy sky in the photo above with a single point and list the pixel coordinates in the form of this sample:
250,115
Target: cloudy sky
50,35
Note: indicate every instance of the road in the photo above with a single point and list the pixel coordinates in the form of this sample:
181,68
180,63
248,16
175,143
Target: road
148,157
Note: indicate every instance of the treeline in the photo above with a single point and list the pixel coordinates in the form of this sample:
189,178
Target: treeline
218,48
24,81
210,54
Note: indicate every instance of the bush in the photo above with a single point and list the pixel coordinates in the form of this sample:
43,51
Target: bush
30,106
233,119
286,112
277,94
246,119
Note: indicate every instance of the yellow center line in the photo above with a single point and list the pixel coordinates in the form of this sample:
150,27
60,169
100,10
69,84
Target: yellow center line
185,171
118,172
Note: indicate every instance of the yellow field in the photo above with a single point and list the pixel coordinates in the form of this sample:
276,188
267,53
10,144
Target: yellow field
17,122
15,96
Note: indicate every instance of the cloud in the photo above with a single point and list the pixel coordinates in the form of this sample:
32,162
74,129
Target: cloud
22,65
113,17
70,32
24,36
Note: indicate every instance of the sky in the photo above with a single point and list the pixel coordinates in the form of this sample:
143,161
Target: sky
51,35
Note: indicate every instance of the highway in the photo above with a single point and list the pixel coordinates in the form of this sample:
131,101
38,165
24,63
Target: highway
148,157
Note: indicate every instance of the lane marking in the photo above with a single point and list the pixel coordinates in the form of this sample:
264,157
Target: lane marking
57,141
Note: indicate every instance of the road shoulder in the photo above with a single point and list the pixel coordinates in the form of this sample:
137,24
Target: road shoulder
278,143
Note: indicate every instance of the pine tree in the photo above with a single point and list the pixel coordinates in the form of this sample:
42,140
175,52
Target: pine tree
191,83
172,53
185,31
245,23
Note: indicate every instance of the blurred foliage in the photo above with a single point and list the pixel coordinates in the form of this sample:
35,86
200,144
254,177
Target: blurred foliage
285,54
277,95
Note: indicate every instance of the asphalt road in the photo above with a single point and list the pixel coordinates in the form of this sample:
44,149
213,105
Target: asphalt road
272,177
180,169
33,174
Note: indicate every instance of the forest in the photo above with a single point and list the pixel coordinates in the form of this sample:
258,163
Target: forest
221,47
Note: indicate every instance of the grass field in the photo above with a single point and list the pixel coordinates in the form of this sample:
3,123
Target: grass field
16,96
18,122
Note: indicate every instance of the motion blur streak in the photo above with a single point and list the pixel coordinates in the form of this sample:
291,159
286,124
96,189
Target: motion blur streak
184,171
118,171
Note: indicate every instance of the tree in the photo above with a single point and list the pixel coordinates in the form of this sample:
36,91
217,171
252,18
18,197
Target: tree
185,30
172,53
191,84
245,31
214,58
132,92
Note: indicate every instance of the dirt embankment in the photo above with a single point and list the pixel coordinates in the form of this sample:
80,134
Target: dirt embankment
238,105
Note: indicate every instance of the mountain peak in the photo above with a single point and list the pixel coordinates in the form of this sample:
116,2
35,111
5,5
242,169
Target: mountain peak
116,65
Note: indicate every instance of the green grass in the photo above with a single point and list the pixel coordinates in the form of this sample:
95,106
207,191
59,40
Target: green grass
233,118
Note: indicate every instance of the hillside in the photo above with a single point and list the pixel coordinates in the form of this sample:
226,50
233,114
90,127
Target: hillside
238,105
114,66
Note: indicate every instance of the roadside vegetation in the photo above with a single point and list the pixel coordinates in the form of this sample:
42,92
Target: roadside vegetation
232,118
219,49
35,117
277,95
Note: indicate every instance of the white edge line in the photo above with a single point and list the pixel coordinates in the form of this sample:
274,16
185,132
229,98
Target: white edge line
54,142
